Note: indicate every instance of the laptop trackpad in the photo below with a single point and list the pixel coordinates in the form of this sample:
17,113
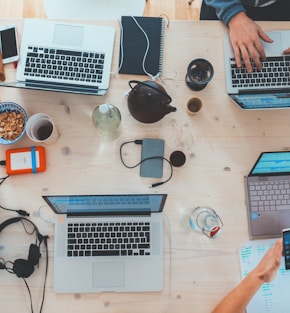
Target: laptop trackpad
265,223
284,220
108,275
273,48
68,35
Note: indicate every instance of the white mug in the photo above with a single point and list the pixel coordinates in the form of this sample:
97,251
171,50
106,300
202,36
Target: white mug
41,128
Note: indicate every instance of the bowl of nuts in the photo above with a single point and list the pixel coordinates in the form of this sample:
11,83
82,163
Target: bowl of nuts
12,122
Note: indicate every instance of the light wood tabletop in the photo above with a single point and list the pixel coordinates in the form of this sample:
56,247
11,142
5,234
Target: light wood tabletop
221,143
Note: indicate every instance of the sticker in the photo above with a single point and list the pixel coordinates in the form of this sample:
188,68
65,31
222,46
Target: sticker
255,215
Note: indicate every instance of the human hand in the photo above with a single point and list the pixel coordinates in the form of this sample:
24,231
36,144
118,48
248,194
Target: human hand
268,266
246,37
287,51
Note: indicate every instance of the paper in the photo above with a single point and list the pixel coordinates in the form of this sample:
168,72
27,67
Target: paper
273,297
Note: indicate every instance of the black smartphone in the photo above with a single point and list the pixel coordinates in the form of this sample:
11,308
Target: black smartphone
154,150
286,246
9,44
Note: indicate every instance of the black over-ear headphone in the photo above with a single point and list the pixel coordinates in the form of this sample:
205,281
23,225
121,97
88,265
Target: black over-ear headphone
23,268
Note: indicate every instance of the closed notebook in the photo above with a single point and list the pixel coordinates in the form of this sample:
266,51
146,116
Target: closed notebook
134,44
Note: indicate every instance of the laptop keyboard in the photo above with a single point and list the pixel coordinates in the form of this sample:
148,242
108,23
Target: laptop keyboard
275,73
108,239
64,65
269,195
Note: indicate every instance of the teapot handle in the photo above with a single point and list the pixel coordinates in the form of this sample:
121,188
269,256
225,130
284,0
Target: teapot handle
144,84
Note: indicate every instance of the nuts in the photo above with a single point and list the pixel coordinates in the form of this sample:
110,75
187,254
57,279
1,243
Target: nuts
11,124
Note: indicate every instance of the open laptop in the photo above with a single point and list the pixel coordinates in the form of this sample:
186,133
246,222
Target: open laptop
268,195
108,242
65,57
266,89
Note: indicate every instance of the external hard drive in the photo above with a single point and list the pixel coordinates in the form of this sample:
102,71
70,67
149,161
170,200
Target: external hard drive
25,160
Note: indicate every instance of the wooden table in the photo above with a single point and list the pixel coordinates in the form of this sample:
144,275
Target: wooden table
221,144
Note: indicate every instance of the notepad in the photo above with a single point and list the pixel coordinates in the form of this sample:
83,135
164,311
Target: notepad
272,297
138,55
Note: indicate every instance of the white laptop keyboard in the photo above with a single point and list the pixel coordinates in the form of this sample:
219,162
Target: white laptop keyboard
275,74
64,65
269,195
108,239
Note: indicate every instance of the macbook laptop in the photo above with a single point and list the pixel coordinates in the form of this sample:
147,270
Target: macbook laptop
65,57
265,89
268,195
108,242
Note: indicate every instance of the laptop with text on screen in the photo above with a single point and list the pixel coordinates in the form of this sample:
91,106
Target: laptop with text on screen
64,57
265,89
268,195
108,242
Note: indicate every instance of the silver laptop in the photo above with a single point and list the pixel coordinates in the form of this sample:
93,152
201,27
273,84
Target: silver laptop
266,89
65,57
108,243
268,195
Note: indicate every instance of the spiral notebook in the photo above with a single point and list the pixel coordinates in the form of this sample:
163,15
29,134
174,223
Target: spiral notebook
141,40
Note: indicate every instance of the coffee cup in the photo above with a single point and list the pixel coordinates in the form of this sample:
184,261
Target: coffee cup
199,74
41,128
194,105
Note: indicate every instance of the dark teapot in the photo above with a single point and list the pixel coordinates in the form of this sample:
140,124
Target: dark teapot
148,101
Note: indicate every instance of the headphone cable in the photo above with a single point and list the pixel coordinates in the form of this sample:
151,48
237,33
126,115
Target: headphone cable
45,279
20,212
29,292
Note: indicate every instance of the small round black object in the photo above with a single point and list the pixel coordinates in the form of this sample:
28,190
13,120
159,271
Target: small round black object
199,74
177,158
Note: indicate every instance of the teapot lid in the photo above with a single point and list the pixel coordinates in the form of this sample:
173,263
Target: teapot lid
151,84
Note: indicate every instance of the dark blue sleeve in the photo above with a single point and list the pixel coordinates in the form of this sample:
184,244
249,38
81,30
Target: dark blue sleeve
226,9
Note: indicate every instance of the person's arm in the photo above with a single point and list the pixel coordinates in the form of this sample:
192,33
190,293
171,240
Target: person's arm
246,37
226,9
237,300
245,34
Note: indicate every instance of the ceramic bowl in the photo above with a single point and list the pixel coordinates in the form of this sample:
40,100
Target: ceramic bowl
12,124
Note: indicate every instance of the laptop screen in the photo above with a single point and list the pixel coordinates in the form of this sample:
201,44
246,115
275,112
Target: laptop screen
106,204
272,163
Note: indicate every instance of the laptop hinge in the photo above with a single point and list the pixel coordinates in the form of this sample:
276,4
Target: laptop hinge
61,87
259,91
109,214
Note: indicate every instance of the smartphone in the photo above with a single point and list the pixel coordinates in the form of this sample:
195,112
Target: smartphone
9,44
286,246
154,150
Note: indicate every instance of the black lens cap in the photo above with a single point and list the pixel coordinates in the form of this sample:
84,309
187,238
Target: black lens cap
177,158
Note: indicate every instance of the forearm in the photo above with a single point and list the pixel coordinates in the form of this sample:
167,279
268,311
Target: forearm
226,9
237,300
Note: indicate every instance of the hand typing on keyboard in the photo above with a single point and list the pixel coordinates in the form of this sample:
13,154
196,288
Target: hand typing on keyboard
274,74
246,36
246,39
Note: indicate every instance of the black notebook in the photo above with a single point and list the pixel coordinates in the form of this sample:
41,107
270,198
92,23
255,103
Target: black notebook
133,45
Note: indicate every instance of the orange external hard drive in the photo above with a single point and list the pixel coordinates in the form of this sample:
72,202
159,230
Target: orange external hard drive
25,160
